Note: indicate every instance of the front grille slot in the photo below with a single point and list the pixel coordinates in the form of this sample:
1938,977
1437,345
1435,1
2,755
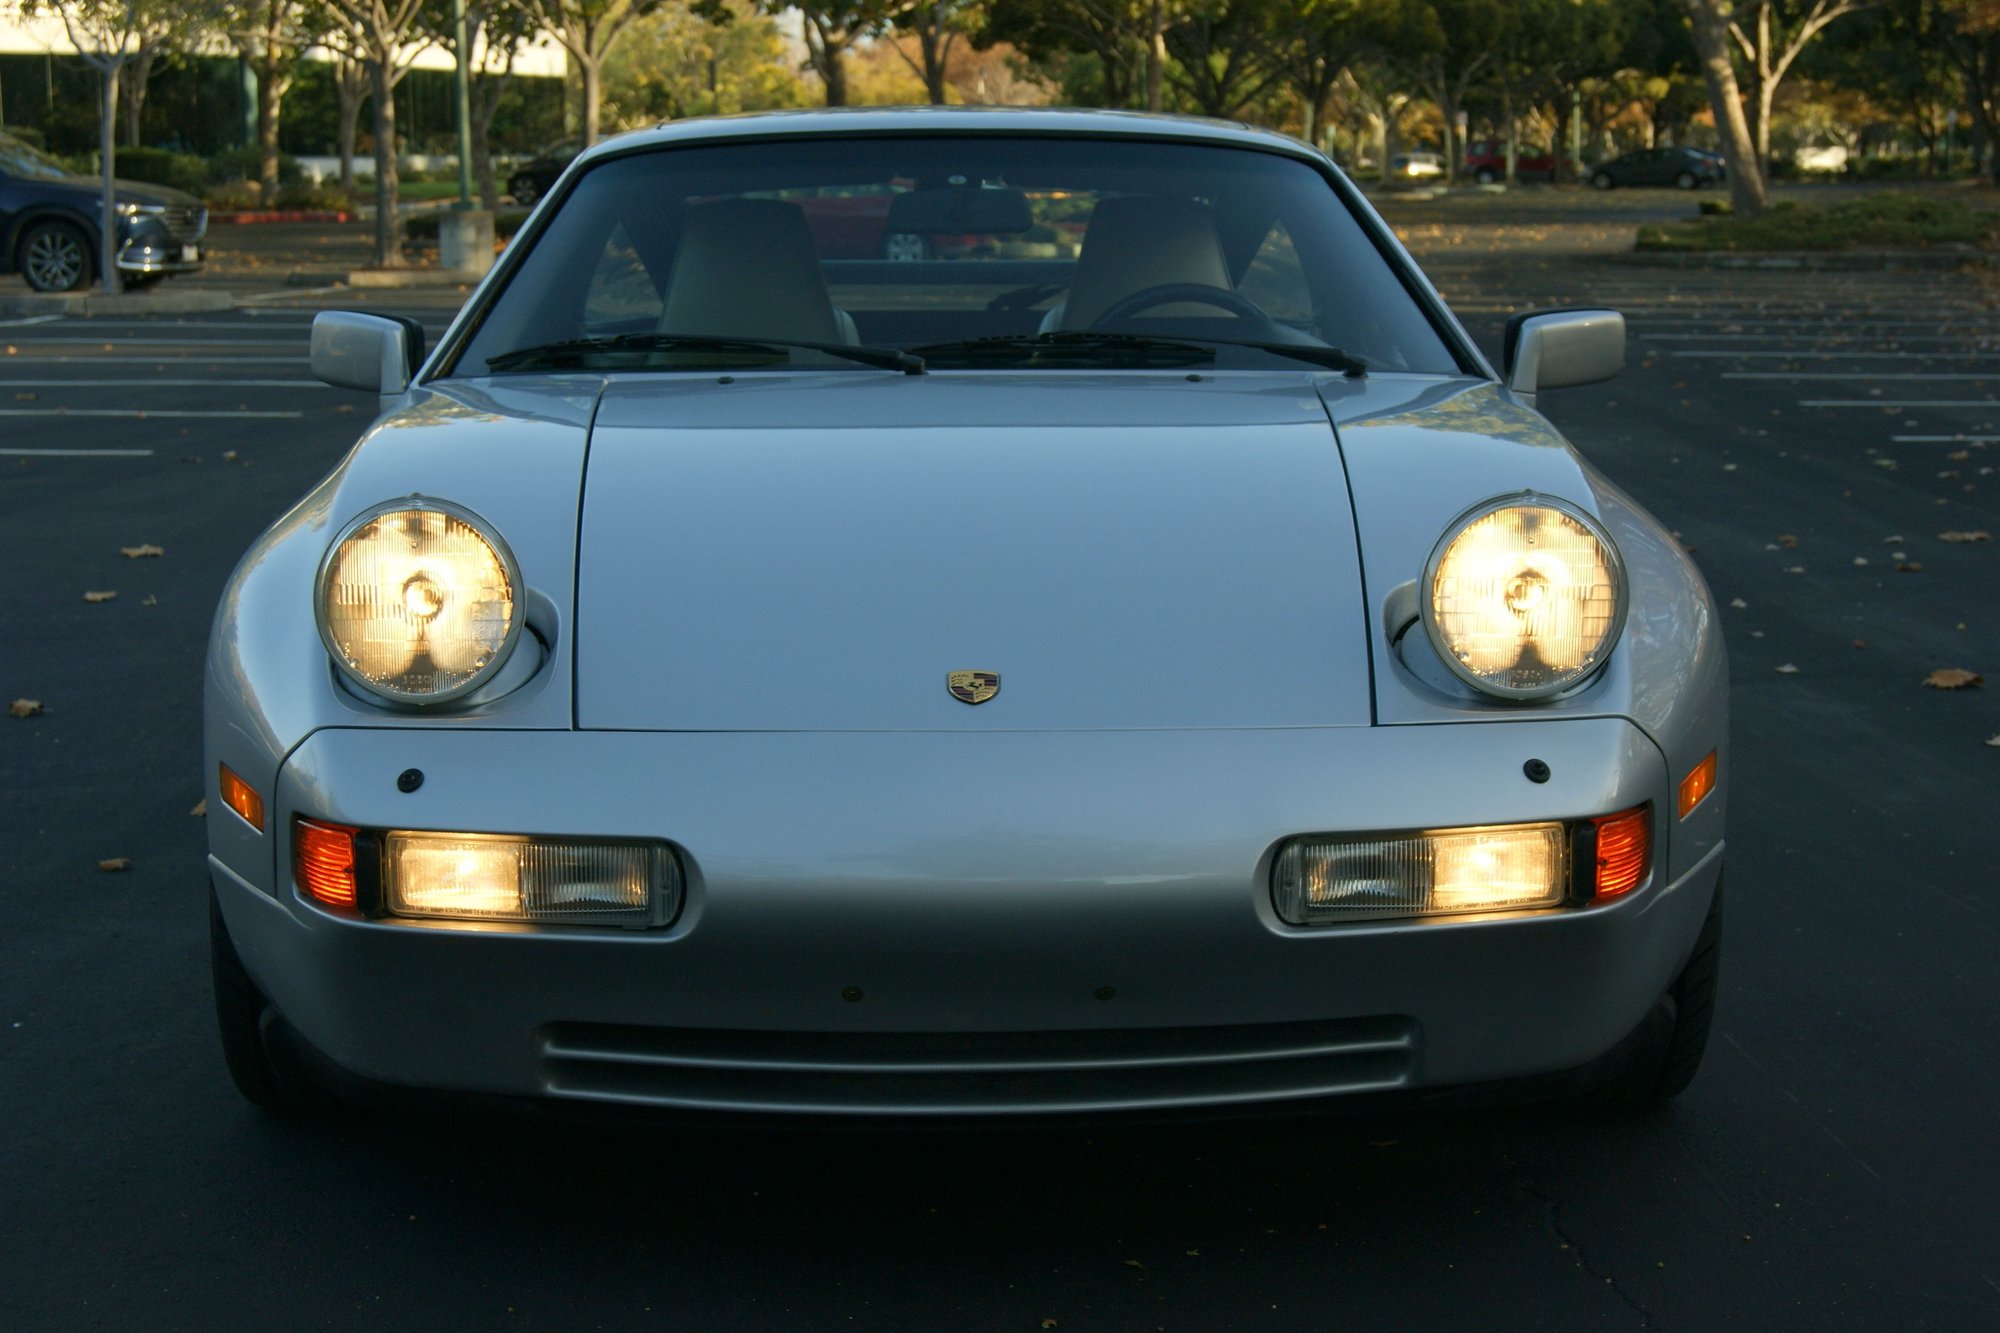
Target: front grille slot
969,1073
185,223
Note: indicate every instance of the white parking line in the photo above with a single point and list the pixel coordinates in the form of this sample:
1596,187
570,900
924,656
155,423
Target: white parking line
141,342
128,412
1944,439
1846,356
31,319
1844,375
1782,337
77,453
149,383
1899,402
152,360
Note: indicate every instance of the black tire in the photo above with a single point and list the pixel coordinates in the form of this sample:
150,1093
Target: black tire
905,246
1687,180
524,190
260,1064
55,256
1484,176
1601,181
1669,1066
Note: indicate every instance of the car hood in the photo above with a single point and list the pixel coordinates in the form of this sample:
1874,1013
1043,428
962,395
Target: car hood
85,191
1128,551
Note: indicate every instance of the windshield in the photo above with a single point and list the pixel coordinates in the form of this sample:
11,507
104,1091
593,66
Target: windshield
970,252
17,159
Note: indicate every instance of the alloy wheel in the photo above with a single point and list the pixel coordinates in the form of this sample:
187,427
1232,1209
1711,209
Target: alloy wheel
53,260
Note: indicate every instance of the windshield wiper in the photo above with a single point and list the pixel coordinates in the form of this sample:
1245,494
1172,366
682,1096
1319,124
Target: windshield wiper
575,350
1082,343
1331,357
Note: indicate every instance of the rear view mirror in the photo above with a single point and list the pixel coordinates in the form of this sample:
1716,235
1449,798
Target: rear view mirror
371,352
964,211
1556,349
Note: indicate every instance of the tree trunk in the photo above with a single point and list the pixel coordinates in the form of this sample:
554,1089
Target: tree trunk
591,71
350,87
271,87
1513,133
135,94
1725,99
1156,55
388,226
107,248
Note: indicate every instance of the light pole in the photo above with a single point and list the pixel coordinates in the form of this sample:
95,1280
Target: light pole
461,99
465,233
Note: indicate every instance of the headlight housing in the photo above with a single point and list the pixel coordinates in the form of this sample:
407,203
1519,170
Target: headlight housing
419,601
1524,596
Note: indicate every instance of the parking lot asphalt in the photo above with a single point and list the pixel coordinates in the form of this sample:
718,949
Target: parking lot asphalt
1832,1167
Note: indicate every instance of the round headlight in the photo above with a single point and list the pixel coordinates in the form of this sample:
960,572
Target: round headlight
1524,596
419,601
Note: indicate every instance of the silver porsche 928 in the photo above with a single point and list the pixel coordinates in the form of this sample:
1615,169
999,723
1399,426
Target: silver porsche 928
955,613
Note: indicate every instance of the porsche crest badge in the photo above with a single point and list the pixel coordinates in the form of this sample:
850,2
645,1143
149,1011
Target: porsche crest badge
972,687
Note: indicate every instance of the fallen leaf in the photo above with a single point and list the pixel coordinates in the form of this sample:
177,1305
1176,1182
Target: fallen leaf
229,455
1993,741
1861,643
1133,1263
150,600
25,707
200,807
1739,603
1893,541
1909,567
99,596
1788,670
1795,569
1959,455
141,551
1787,540
1965,536
1953,678
1888,463
1048,1323
1860,559
26,397
111,865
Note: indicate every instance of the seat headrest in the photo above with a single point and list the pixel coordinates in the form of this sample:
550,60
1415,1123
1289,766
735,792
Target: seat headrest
747,268
1138,241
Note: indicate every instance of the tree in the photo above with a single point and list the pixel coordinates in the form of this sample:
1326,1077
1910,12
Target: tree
1469,32
110,35
677,63
1970,30
1708,21
495,32
1319,41
378,32
1126,40
1770,34
1222,60
937,25
270,36
588,29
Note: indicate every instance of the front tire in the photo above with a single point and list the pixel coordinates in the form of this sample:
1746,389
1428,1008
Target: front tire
54,256
1485,176
1671,1066
1687,180
261,1065
1601,181
905,247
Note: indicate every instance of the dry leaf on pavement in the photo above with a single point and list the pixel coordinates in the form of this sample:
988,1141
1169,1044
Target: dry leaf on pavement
1909,567
1788,670
140,551
1953,678
99,596
1965,536
1787,540
200,807
1993,741
25,707
113,864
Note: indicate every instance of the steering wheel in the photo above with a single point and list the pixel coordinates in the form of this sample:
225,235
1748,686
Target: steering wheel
1184,293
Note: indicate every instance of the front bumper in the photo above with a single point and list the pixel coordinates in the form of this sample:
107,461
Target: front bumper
157,255
949,923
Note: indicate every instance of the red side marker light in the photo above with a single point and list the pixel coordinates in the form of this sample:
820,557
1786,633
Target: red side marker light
323,860
1624,852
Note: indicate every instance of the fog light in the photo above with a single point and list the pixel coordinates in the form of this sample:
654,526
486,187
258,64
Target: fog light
1320,880
493,877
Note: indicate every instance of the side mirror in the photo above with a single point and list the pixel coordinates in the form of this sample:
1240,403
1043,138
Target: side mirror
1555,349
371,352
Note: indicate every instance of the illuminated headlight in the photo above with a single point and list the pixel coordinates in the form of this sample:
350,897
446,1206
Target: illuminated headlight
419,601
1524,597
489,877
1321,880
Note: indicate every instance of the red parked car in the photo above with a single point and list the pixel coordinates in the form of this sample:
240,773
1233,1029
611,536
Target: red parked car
1486,162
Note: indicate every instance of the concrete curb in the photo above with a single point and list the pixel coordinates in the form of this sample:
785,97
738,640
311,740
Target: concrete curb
251,217
411,277
1828,261
186,301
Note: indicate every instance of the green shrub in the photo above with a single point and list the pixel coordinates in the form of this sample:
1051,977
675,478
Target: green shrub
313,198
240,164
157,166
1717,208
233,196
1889,221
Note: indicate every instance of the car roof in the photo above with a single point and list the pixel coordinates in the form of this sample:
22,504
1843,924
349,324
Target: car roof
921,120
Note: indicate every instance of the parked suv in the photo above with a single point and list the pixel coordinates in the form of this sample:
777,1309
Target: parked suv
1486,162
49,224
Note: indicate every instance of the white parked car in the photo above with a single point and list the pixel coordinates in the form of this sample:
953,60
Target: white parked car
1185,674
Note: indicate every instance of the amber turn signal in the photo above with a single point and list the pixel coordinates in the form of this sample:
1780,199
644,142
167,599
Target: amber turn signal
241,797
323,860
1624,852
1696,786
